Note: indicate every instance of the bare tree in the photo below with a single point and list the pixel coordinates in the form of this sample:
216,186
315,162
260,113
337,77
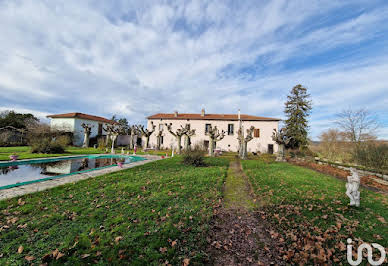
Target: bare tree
113,131
87,129
282,139
147,133
243,141
177,134
214,136
189,133
159,137
358,125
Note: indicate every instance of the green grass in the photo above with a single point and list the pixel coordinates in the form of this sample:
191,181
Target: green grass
313,207
25,153
149,214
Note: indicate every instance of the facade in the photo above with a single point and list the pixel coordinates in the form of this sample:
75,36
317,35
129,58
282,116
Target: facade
71,122
262,137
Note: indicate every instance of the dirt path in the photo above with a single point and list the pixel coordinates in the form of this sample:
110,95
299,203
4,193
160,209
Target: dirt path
238,236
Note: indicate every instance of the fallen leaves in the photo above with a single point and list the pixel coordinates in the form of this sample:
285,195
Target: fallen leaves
29,258
117,239
21,202
20,249
186,262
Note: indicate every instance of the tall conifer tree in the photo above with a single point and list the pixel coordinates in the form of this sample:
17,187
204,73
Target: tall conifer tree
297,109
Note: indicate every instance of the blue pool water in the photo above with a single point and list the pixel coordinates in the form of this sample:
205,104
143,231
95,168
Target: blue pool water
18,173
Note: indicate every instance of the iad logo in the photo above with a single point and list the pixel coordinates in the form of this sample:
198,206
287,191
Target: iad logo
359,253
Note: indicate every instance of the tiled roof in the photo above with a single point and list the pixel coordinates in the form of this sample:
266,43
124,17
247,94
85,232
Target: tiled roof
212,117
83,116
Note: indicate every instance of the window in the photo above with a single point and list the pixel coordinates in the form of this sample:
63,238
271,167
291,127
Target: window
230,129
207,126
160,127
256,133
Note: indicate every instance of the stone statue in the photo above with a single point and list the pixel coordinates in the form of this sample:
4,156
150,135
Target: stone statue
147,133
352,188
177,134
243,141
214,136
281,139
87,129
189,133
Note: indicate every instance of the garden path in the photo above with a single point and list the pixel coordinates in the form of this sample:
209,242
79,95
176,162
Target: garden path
238,236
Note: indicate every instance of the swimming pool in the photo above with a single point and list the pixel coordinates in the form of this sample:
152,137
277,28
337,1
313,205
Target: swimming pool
17,173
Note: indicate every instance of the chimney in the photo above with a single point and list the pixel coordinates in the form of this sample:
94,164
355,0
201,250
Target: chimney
203,112
175,113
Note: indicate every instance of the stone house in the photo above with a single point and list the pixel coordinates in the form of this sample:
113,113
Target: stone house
262,137
71,122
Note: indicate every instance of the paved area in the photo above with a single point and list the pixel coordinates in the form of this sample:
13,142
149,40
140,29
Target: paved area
39,186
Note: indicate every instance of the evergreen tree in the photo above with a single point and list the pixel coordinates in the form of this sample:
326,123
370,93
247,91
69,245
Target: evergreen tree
297,109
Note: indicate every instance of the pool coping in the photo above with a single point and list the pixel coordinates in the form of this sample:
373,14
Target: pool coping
71,178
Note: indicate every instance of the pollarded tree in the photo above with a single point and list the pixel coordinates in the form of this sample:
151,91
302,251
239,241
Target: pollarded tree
282,139
243,141
132,132
146,133
177,134
214,136
159,137
87,129
113,132
297,109
189,133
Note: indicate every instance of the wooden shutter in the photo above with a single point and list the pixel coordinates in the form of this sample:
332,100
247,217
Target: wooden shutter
257,133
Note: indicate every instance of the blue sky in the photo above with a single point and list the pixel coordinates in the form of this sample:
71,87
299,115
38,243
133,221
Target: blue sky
137,58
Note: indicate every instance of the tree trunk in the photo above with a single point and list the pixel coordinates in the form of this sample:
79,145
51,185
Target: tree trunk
158,142
187,143
211,147
113,138
107,139
147,141
244,150
86,141
178,140
131,141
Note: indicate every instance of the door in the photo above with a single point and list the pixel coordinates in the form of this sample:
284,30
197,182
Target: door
206,144
270,148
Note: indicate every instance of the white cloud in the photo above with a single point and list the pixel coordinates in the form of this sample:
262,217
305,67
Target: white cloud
138,58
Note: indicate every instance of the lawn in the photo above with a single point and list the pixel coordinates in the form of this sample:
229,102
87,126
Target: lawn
309,212
151,214
24,152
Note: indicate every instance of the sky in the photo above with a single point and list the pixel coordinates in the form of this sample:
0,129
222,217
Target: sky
138,58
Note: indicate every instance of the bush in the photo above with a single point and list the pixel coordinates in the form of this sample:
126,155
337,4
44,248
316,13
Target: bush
46,145
268,158
64,140
43,140
194,157
101,143
372,155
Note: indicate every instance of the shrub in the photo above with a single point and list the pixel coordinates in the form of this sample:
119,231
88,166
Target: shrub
372,155
101,143
194,157
64,140
46,145
43,140
268,158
